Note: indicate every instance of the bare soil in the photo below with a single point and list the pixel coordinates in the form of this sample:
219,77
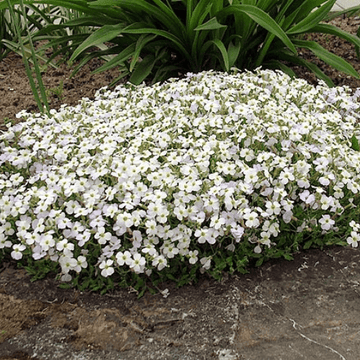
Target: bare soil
307,308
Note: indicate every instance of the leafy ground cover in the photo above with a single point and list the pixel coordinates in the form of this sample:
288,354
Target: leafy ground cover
219,167
190,176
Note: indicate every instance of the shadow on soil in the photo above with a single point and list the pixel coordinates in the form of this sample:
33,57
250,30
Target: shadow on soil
308,308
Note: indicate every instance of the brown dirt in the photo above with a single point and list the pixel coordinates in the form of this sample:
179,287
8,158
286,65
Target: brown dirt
307,308
16,94
337,46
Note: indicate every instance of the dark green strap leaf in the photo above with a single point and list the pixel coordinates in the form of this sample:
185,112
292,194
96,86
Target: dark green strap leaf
333,60
261,18
312,20
212,24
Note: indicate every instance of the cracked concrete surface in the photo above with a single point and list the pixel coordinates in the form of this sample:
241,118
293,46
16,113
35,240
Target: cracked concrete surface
308,308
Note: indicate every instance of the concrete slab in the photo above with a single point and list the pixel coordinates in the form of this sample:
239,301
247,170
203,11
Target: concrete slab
345,4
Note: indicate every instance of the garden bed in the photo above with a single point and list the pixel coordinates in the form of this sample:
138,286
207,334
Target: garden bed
188,324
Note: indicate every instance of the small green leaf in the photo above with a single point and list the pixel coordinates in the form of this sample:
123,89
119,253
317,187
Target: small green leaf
288,257
259,262
355,143
106,33
171,277
308,244
64,286
142,70
212,24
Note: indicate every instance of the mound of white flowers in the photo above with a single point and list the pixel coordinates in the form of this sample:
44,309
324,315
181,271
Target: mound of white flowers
187,170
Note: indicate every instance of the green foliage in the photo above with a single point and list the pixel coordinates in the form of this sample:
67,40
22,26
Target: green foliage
44,23
355,143
36,87
39,269
353,11
155,39
23,24
57,91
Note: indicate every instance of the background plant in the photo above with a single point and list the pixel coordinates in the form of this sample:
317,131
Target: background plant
25,29
13,24
37,85
39,19
155,39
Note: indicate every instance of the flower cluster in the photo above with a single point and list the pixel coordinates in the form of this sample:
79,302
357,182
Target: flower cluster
179,170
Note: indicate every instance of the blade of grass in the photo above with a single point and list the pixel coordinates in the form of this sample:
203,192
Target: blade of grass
287,56
106,33
333,30
313,19
41,99
349,12
13,46
262,18
333,60
142,70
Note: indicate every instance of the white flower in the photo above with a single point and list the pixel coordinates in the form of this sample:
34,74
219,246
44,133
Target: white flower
217,222
251,219
307,197
206,235
102,236
181,212
287,216
273,207
193,256
83,238
257,249
47,241
326,222
23,224
251,176
206,262
170,250
107,268
67,263
353,239
286,175
123,258
237,232
354,225
81,263
160,262
137,263
17,251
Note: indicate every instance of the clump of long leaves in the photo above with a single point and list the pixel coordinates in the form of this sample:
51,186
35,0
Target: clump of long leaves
38,22
157,39
36,84
21,26
14,27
